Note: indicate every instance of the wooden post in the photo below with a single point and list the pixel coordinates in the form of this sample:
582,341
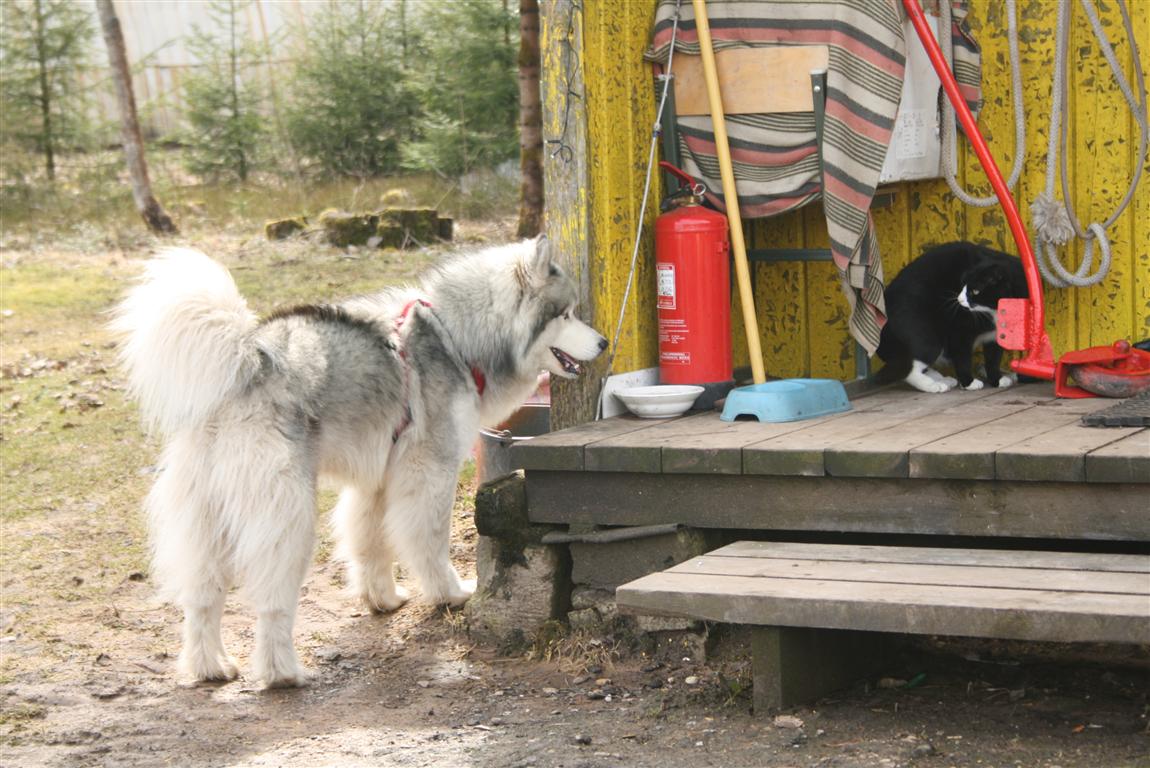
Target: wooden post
796,665
730,194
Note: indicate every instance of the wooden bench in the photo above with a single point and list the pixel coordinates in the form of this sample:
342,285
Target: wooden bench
817,607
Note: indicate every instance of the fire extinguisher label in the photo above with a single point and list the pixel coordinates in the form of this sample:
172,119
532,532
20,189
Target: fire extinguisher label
666,282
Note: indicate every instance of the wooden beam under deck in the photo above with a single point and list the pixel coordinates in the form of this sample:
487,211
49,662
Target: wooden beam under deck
1092,511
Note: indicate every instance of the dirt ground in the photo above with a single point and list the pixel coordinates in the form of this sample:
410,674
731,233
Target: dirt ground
87,654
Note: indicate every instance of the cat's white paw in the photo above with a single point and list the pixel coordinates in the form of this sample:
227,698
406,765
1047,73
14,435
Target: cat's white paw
950,382
1006,381
930,386
974,386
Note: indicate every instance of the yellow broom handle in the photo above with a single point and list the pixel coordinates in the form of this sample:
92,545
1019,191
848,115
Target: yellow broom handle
730,195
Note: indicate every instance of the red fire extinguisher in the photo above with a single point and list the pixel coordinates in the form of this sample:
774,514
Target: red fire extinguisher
693,271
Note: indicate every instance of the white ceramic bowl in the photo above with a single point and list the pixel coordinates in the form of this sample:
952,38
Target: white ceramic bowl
659,402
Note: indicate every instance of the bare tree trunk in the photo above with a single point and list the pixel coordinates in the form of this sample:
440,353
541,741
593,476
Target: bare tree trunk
150,209
530,123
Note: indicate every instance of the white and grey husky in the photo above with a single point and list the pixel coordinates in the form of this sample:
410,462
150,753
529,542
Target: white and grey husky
384,393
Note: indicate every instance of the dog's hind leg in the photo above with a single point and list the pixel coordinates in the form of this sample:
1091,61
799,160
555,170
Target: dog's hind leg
417,520
189,560
272,554
363,546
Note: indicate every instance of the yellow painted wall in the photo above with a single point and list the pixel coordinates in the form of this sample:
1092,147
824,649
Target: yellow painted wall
802,314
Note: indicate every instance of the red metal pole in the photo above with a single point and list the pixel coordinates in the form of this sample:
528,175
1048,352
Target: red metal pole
1039,360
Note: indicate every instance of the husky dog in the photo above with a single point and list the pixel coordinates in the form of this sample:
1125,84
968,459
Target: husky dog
384,393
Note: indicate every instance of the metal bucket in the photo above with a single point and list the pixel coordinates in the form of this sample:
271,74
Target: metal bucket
494,460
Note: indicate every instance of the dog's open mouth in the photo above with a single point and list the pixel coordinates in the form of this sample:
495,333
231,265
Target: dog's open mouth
569,363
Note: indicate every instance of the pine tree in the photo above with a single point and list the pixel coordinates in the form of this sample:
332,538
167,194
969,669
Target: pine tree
466,87
224,98
350,109
44,47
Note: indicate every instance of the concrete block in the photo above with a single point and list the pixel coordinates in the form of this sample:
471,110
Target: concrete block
609,565
517,591
501,512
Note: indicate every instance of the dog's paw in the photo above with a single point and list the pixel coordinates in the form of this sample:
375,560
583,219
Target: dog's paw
282,672
296,678
385,602
461,595
221,669
974,385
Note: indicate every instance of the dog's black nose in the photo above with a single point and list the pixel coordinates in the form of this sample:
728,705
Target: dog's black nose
602,343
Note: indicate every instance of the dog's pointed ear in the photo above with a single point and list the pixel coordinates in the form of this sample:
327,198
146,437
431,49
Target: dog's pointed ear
541,261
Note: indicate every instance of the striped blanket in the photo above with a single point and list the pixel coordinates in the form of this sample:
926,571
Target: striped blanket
775,156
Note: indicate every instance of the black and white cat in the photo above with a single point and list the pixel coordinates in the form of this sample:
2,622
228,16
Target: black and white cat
940,307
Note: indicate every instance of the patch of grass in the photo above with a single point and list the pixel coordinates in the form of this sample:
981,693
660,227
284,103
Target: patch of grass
576,652
20,715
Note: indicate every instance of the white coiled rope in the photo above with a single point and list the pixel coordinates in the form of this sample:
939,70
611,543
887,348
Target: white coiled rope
1055,222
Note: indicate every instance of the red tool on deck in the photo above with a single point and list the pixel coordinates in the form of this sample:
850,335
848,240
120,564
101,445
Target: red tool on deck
1022,322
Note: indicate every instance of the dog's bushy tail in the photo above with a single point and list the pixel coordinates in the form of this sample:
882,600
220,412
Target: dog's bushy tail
187,341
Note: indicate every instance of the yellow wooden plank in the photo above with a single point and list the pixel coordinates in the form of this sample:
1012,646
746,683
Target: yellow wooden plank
780,291
831,345
1139,211
996,121
608,148
1102,163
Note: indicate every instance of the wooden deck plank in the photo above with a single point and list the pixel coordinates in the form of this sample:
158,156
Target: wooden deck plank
701,443
959,611
1059,454
970,454
921,574
1123,461
1084,561
803,452
886,453
717,443
564,449
1117,511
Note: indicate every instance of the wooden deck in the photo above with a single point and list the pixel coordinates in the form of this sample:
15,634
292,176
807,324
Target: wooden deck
1013,462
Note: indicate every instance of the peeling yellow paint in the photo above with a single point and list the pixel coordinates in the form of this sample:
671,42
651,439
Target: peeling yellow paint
802,313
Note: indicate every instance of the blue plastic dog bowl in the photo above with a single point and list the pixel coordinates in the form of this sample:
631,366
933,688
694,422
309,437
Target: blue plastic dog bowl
787,400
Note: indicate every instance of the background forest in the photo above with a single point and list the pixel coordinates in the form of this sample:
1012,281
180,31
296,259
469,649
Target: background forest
327,110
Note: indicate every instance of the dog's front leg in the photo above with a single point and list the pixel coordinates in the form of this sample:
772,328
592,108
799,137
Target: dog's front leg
417,518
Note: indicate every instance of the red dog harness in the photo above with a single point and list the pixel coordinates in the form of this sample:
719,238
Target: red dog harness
476,374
